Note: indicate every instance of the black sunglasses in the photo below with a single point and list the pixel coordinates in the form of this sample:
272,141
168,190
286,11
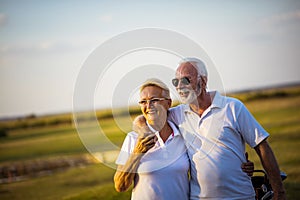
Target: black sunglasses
184,80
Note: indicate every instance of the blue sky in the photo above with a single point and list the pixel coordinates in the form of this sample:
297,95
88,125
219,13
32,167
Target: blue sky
43,44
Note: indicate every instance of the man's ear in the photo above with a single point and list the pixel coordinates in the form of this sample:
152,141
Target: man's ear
203,81
199,84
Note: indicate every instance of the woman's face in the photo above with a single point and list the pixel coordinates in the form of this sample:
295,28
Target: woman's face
156,106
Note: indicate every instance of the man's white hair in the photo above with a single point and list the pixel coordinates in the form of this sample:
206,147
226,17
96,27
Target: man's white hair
197,63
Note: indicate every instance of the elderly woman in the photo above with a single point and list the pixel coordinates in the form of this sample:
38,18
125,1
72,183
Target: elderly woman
156,163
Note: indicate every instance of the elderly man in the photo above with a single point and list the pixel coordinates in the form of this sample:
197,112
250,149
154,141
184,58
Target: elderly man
215,129
166,181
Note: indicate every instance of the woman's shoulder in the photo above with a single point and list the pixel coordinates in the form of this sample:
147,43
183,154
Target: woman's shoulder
132,135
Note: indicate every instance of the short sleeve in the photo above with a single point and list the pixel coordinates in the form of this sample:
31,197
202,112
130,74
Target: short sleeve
252,132
127,148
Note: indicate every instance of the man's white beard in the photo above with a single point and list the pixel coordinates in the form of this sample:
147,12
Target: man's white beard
192,96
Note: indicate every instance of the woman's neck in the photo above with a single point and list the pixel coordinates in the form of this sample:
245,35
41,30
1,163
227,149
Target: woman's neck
165,132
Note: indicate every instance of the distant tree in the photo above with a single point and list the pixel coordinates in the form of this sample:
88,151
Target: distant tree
3,132
31,116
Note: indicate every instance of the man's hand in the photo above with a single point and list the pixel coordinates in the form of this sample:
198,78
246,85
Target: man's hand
248,167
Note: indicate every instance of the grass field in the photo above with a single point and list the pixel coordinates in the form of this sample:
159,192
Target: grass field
278,115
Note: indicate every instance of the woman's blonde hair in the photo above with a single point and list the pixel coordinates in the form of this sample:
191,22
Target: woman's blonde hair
158,83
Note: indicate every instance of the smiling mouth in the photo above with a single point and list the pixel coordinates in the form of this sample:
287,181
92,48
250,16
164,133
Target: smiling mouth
151,112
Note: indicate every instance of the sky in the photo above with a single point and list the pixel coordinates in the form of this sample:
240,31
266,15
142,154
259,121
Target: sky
44,46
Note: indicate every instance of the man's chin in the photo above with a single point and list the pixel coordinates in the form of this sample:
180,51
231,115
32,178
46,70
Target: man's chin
188,100
184,100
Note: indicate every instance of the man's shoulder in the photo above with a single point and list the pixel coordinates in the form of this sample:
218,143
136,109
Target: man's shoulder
178,108
176,114
232,100
235,104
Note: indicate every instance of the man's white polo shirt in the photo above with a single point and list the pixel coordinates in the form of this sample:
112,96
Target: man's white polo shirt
216,146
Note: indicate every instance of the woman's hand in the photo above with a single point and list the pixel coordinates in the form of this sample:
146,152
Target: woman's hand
145,143
248,167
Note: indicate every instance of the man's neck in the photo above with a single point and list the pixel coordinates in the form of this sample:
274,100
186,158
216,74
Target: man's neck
202,103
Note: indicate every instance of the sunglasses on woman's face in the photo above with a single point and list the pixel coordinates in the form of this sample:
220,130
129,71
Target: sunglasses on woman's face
184,81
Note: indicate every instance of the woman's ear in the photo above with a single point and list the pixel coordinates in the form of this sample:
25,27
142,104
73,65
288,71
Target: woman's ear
169,103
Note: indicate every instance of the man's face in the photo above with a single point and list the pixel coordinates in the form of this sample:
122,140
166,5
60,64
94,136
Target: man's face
156,106
188,86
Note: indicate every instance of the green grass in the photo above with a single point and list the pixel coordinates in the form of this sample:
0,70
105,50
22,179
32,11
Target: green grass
93,180
23,144
105,191
279,116
41,146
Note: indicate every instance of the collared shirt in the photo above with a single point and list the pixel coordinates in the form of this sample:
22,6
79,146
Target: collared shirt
216,146
163,170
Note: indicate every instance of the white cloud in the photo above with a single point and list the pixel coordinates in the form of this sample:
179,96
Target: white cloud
106,18
289,17
83,44
25,47
275,28
3,19
45,45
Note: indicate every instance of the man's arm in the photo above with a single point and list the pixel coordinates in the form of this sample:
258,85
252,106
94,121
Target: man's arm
270,164
139,125
125,174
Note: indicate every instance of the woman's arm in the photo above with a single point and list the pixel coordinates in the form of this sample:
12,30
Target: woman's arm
125,174
248,167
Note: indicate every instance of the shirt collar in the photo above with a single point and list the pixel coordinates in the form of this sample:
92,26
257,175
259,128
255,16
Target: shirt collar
159,140
218,102
174,128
